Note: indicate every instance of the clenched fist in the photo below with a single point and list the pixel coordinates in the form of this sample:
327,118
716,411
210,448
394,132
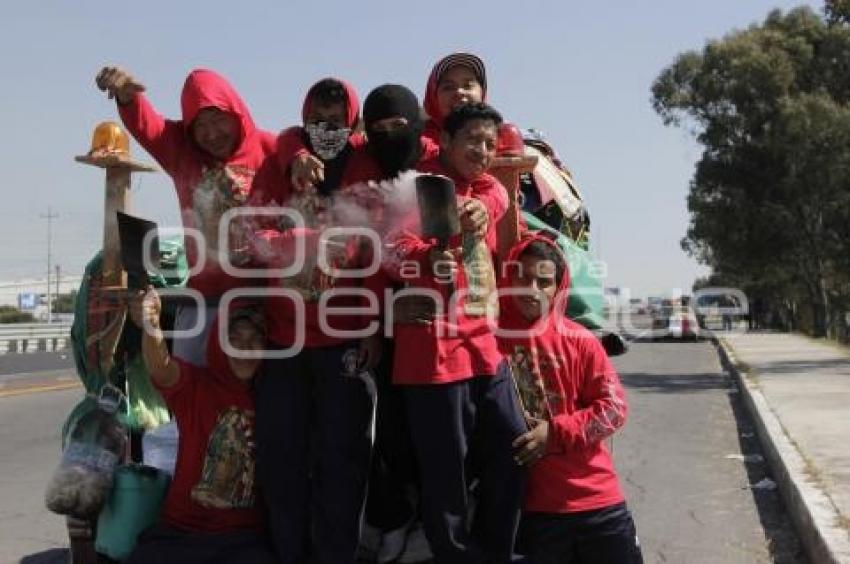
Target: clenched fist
119,84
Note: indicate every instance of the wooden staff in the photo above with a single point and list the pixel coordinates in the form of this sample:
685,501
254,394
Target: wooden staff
110,150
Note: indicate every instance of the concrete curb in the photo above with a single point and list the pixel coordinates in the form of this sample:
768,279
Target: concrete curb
813,513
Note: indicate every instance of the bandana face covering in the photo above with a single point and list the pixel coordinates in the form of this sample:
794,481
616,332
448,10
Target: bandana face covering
325,141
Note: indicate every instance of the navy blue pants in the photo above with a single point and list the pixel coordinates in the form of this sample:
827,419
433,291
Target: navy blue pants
452,424
601,536
313,425
394,468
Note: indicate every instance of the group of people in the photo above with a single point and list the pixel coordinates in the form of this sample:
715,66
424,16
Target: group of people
493,438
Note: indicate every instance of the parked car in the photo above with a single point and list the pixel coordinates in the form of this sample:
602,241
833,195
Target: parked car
675,322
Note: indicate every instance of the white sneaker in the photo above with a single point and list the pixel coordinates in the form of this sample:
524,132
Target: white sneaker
417,548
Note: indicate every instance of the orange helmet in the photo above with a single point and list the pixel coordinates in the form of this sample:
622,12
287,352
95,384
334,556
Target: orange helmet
109,138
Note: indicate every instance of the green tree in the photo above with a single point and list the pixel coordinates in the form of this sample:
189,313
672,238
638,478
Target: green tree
11,314
837,11
769,199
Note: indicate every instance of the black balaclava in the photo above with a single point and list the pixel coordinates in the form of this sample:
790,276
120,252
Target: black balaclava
395,151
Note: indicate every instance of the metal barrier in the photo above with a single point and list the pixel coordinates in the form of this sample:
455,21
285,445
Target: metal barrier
34,337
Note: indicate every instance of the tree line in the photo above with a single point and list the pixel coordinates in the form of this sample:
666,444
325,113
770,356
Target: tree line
769,201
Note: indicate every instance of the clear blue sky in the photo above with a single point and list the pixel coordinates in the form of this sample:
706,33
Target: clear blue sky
579,72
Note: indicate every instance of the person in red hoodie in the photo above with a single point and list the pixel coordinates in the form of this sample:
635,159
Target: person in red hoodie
317,156
574,509
382,155
214,154
212,512
459,78
314,407
314,410
458,408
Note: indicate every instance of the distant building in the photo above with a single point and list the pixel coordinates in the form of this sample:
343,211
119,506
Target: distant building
31,294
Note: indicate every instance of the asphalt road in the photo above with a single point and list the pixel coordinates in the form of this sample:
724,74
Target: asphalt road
15,364
22,374
29,451
679,459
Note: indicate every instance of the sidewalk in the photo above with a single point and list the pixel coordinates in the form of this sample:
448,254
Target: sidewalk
798,390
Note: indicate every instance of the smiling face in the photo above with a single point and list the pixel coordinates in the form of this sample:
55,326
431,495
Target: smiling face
470,151
244,336
458,85
538,278
216,132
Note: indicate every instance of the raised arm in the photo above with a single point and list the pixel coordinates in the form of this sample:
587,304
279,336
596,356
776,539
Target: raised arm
161,138
145,309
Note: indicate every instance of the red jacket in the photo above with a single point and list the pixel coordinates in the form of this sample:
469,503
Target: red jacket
293,142
279,247
214,486
285,324
444,351
199,178
565,376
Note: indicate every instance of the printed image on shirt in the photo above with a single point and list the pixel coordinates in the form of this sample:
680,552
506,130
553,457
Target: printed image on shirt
220,189
609,419
227,479
551,364
480,277
313,207
309,281
532,390
313,279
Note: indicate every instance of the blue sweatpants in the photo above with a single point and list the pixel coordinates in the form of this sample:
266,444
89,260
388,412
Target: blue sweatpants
314,426
452,424
599,536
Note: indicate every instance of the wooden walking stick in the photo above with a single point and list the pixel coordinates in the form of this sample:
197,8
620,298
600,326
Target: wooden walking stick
110,150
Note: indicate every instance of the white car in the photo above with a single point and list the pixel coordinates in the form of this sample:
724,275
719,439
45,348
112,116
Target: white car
676,322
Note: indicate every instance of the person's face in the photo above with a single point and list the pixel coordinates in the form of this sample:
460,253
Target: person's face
334,114
538,278
245,337
472,149
216,132
389,124
458,85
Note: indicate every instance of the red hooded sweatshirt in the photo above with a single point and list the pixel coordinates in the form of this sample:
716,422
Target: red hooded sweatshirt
205,186
293,142
448,350
564,376
434,125
278,250
214,487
